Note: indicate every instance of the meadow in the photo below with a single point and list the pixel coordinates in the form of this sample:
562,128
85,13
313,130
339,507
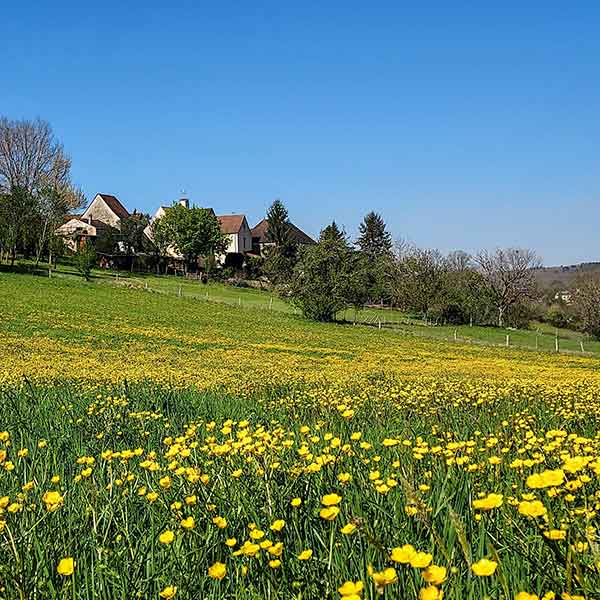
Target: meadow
160,447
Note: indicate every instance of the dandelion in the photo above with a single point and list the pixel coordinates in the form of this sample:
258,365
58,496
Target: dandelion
404,554
168,592
351,590
431,593
217,571
434,574
489,502
188,523
166,537
420,560
220,522
331,500
66,567
484,567
329,513
277,525
348,529
305,554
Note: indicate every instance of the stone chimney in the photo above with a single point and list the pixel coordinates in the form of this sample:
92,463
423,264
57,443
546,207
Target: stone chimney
184,202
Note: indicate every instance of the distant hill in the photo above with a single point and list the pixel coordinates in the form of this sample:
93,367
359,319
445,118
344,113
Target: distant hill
563,276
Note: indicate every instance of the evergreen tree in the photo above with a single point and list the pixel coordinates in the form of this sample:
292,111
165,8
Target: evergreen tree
374,241
282,253
375,244
329,277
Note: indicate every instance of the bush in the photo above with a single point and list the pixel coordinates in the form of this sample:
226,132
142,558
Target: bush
85,259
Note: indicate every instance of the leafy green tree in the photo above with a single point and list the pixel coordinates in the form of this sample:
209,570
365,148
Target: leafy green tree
17,213
133,238
85,259
329,277
375,244
192,232
282,252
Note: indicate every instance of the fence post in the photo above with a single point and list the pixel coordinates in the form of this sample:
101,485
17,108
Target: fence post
49,272
146,285
179,292
556,346
207,296
380,323
455,335
507,340
582,348
239,301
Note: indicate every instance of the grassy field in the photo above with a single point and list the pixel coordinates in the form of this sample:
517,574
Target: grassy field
540,337
153,446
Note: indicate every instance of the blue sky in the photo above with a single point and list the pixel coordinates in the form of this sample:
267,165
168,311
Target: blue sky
465,124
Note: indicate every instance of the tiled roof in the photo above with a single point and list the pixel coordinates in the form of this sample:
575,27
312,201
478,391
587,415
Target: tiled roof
231,223
260,232
115,205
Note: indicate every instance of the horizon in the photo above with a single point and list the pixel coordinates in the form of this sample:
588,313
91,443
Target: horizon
464,127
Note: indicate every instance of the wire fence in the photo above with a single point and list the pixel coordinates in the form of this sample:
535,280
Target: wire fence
381,318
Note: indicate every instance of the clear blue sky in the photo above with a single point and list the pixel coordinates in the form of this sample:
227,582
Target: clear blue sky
466,124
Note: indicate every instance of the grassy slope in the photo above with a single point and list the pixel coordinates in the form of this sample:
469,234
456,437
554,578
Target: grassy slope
541,336
64,327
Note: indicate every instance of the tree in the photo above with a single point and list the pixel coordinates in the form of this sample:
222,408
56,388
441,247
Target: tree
282,251
16,214
375,244
50,206
133,239
510,276
419,280
466,298
192,232
85,259
35,184
328,277
586,304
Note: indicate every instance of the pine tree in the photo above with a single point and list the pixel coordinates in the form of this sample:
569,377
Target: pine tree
375,244
329,277
281,254
374,240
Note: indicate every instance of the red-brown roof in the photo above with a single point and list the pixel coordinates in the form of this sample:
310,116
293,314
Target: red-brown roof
260,232
231,223
115,205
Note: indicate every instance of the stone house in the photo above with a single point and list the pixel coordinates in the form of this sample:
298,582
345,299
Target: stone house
104,213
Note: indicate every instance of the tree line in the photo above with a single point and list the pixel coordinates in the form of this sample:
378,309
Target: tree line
491,287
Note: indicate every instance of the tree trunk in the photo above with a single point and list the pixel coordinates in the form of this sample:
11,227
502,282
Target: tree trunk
501,316
40,244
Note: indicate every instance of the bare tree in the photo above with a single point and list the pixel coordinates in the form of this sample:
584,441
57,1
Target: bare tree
509,274
586,302
459,261
35,184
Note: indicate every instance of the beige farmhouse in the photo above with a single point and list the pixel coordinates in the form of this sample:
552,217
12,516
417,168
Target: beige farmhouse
105,214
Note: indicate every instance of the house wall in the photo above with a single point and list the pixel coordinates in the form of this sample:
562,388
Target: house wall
100,211
245,238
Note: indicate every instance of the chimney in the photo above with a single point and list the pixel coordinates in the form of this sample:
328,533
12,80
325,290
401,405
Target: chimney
184,202
90,219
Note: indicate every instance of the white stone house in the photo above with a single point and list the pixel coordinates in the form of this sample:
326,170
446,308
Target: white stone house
237,230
